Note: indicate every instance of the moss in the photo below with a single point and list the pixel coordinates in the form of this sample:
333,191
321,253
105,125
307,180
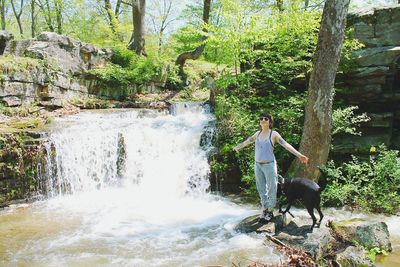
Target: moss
20,156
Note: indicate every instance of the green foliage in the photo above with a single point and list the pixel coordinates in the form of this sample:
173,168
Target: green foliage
187,39
128,69
237,110
372,185
345,121
371,254
350,45
18,161
123,57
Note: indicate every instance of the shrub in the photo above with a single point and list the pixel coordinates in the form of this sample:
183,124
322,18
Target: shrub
373,184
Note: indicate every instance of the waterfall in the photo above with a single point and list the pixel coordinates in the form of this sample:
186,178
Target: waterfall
159,152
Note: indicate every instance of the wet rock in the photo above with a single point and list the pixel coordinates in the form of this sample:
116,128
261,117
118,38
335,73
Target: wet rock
353,257
369,234
317,243
252,224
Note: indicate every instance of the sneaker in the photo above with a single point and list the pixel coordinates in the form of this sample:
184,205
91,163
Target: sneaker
269,216
266,216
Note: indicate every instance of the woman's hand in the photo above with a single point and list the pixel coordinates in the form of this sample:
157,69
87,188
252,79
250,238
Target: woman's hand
303,159
236,149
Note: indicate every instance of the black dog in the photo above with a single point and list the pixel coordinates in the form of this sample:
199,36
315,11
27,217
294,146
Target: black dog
305,190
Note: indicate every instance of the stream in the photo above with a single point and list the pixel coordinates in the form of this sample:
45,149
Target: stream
130,188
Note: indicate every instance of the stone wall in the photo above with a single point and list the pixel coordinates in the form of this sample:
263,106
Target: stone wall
374,85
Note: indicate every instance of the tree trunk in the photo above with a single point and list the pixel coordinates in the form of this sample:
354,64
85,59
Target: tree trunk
117,9
18,15
58,6
279,5
3,14
46,9
33,18
112,17
138,13
316,138
195,54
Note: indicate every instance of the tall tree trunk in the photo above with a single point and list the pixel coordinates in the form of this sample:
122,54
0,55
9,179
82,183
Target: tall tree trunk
316,138
58,6
137,39
18,15
33,18
112,18
195,54
118,9
279,5
3,14
46,9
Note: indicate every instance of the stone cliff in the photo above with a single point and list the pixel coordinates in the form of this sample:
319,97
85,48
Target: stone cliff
49,70
374,85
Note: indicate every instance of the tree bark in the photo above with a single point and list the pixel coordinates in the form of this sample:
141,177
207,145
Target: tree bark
117,9
33,18
112,18
3,14
47,12
58,6
137,39
316,137
279,5
18,15
195,54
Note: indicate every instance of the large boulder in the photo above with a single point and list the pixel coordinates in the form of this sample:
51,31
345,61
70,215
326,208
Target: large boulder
5,38
353,257
369,234
68,55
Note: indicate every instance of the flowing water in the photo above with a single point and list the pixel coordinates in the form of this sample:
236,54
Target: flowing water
130,188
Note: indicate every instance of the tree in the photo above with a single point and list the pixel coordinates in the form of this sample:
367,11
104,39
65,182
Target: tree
163,14
33,18
113,16
52,13
3,14
279,5
137,39
195,54
18,14
316,137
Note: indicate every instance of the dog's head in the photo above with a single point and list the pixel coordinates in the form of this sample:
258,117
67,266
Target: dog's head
281,185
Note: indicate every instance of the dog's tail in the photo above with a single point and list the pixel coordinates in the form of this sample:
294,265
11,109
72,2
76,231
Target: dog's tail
323,181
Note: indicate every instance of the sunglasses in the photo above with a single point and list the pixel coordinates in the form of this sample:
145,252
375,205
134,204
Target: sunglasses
264,119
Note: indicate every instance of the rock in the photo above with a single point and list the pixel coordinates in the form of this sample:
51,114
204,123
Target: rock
12,101
252,224
70,56
368,234
318,242
352,144
5,38
353,257
380,56
378,26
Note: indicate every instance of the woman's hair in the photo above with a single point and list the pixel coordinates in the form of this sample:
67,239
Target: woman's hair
270,118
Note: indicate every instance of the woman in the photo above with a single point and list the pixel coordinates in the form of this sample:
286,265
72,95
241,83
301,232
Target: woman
265,162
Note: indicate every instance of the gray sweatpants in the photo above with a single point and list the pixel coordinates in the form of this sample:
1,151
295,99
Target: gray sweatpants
266,182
